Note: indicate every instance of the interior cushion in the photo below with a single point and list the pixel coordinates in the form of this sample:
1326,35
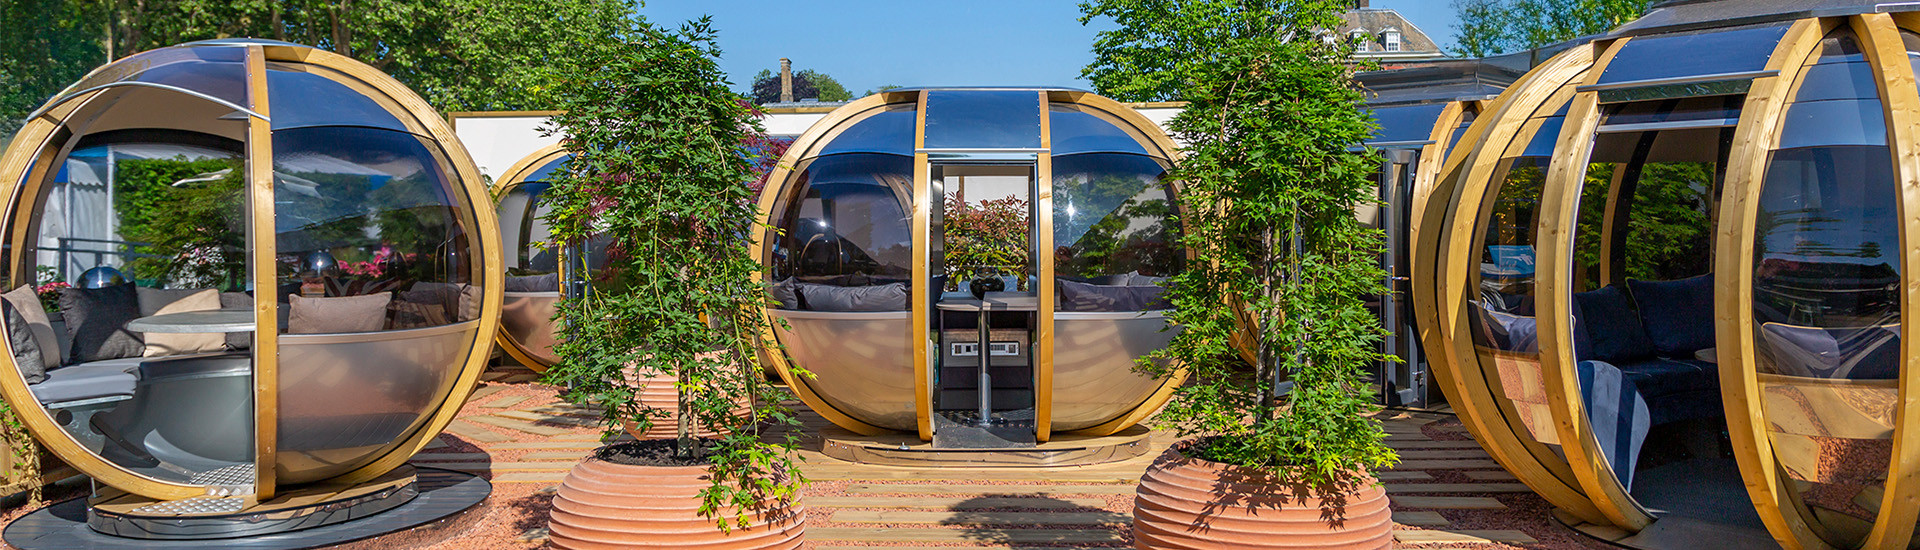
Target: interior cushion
26,348
27,302
784,294
464,298
1506,331
155,301
237,300
1678,315
1660,376
534,283
1085,297
108,378
403,314
887,297
337,315
1612,328
1856,353
97,320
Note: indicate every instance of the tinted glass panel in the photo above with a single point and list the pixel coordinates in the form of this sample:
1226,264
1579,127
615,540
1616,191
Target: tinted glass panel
1409,123
1077,131
1706,111
299,99
1694,54
545,172
360,211
1834,123
216,71
846,223
1544,139
971,119
1113,216
889,131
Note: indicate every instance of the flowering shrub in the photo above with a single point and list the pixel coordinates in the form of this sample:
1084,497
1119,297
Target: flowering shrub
989,237
50,294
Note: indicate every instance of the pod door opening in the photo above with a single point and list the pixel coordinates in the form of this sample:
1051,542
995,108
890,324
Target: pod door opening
988,291
1643,294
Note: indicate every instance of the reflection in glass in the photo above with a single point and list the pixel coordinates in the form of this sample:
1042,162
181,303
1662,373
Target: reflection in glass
889,131
1113,223
1078,129
986,224
846,222
1694,54
1826,305
1405,123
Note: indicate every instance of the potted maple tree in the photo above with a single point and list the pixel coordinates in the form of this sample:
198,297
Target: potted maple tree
661,179
1276,333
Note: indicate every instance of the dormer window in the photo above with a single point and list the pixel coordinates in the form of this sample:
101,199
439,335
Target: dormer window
1391,39
1360,38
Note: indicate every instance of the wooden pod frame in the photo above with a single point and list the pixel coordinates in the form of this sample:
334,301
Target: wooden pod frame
229,82
1525,407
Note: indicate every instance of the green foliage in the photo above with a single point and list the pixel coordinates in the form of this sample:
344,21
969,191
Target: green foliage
990,236
461,55
807,84
1669,227
1493,27
201,234
1268,187
660,173
22,451
1119,242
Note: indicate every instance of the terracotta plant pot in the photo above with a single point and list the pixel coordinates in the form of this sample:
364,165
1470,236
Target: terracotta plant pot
602,505
659,393
1187,503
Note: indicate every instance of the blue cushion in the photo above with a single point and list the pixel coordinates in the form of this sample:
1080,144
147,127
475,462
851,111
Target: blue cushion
1504,331
1611,326
1659,376
1678,315
1857,353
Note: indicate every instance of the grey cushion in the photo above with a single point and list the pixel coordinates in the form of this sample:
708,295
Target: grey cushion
1505,331
97,319
464,297
534,283
1076,296
237,300
152,299
888,297
1856,353
26,348
52,344
785,294
338,315
109,378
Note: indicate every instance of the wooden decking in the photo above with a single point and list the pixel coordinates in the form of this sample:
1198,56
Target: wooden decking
1447,493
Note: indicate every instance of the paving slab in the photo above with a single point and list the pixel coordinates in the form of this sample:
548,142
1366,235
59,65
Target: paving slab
974,535
1471,536
517,425
474,433
1043,490
956,503
1447,503
1400,488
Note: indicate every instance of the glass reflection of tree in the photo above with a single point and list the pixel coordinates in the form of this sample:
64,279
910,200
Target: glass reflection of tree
189,212
990,236
1668,225
376,228
1135,236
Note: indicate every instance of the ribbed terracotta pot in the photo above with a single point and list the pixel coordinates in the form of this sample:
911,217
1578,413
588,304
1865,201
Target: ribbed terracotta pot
1186,503
602,505
659,393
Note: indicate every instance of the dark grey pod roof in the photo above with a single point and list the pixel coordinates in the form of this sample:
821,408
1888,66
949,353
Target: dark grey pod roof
1682,15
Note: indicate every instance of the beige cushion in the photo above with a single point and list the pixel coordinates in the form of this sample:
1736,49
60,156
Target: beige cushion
27,302
335,315
162,343
466,307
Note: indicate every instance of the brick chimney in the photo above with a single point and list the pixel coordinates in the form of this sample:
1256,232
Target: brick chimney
786,80
1360,4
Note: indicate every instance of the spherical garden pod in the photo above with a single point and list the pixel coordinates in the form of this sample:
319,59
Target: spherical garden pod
532,287
885,214
243,185
1665,282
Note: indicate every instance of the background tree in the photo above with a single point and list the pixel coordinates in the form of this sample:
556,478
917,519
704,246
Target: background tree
1268,189
661,173
1493,27
461,55
807,84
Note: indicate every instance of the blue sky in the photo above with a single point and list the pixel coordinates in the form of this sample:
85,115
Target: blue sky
869,43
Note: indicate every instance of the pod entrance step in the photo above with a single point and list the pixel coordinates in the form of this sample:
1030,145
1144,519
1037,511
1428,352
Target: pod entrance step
962,430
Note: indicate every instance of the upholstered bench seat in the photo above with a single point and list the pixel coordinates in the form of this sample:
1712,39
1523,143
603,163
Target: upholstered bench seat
89,381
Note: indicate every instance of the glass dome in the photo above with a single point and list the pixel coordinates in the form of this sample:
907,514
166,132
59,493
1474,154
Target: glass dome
1662,283
532,287
235,185
888,212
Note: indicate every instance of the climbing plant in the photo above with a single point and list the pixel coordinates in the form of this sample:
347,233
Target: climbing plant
664,157
1269,180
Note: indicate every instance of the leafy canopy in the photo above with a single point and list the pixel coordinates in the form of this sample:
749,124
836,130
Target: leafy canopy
461,55
663,155
1268,187
1493,27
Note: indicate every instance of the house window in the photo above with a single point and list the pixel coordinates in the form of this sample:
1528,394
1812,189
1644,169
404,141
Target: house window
1361,41
1392,40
